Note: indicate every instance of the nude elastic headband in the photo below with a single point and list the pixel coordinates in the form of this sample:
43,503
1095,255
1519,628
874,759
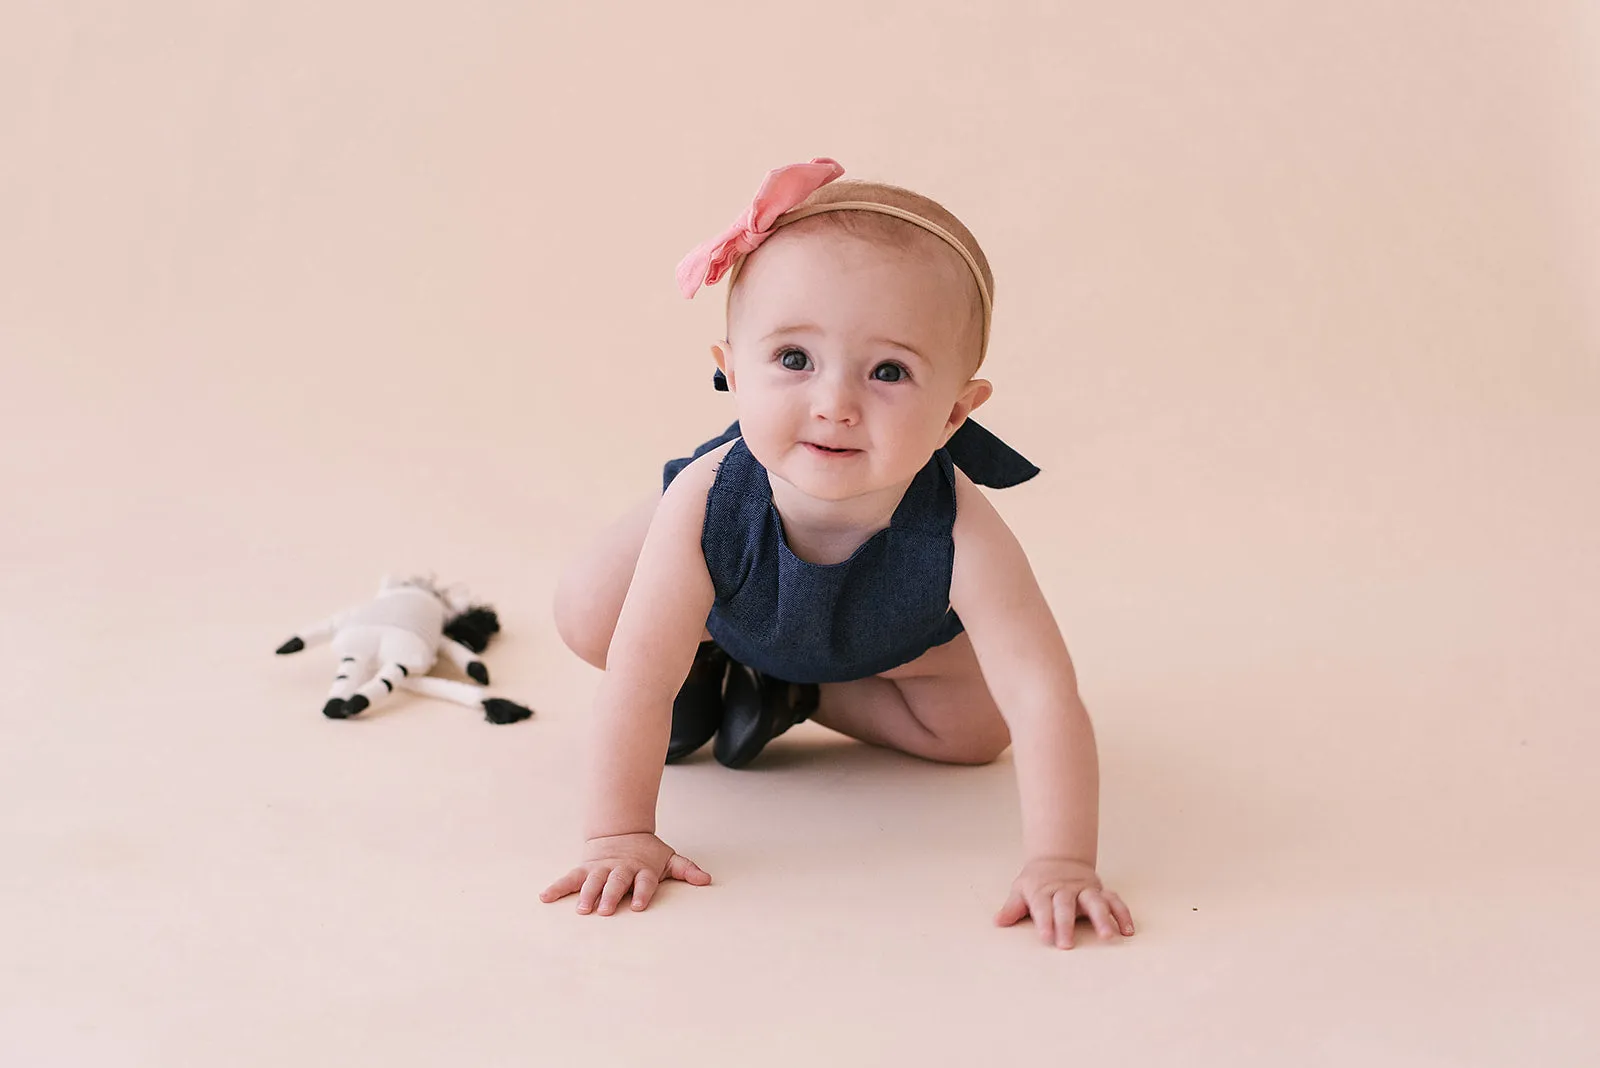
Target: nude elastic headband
776,205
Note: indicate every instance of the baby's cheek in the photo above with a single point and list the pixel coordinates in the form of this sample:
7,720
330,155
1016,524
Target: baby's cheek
760,415
761,437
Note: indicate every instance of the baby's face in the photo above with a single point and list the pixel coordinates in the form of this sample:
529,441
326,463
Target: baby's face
848,359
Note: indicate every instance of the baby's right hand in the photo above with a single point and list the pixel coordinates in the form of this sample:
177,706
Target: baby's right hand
615,864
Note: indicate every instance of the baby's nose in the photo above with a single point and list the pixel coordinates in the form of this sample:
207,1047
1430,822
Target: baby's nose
836,399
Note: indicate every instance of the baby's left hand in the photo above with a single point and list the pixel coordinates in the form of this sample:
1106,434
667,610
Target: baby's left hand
1055,890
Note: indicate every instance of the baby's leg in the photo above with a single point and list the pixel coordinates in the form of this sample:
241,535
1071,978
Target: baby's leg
936,707
589,597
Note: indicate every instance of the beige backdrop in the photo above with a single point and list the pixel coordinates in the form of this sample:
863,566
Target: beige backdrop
1296,309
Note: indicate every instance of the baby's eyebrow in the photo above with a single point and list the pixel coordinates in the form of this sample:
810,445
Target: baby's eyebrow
813,328
892,343
794,328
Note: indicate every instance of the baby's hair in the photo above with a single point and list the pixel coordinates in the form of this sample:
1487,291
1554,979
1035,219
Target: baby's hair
897,232
887,230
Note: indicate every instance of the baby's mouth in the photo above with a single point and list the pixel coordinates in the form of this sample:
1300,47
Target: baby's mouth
827,450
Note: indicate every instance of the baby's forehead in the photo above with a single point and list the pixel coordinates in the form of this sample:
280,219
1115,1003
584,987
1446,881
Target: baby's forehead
935,296
824,237
918,262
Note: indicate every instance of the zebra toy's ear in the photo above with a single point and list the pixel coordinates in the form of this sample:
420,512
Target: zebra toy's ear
386,583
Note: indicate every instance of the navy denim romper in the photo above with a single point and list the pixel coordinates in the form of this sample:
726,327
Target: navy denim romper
885,606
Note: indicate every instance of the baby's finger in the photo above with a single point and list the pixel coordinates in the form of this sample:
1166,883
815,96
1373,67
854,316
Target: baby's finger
1044,916
591,889
644,888
681,867
616,885
1066,917
1014,909
1120,911
1099,913
567,884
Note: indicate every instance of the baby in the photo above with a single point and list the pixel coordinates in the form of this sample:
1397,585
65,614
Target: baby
830,557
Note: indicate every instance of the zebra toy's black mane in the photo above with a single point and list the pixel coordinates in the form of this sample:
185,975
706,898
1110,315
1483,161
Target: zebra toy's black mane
474,627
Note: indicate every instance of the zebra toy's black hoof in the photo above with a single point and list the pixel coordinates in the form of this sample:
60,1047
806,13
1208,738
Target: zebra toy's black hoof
356,705
336,709
293,645
499,710
478,673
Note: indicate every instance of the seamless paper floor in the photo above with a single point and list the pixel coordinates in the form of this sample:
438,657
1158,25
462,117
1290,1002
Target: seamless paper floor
1297,312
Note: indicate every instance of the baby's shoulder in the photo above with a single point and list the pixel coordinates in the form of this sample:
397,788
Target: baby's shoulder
702,471
975,514
980,532
687,494
990,566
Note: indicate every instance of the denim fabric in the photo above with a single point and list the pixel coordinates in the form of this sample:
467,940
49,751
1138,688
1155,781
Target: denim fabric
885,606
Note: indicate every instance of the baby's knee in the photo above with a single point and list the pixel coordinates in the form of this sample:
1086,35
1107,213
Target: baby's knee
590,594
975,749
579,624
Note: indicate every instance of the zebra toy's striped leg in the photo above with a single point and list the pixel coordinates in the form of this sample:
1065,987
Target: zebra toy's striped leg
380,686
466,660
353,671
495,709
462,693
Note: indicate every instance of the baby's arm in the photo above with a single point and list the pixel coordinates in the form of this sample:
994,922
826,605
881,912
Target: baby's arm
663,617
1028,670
657,634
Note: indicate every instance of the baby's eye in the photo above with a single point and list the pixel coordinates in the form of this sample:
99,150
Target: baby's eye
890,372
794,360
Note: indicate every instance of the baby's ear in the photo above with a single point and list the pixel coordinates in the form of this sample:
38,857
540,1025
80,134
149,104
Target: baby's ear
971,399
723,355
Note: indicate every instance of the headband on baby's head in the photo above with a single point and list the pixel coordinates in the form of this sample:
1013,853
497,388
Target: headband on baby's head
776,205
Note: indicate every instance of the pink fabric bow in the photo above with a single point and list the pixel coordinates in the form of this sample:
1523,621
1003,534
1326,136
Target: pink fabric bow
780,191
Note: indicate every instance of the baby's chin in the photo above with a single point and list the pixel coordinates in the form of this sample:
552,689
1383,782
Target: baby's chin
821,479
832,482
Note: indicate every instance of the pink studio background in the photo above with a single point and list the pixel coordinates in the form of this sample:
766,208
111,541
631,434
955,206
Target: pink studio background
1296,307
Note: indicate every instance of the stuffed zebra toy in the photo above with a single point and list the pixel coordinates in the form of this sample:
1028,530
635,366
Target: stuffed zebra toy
395,639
